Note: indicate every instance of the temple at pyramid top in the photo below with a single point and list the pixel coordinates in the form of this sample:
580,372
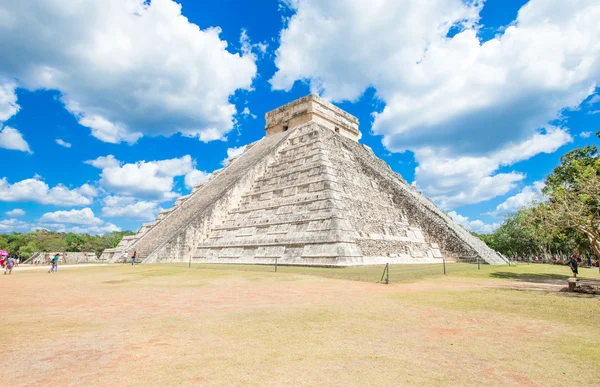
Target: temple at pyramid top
312,108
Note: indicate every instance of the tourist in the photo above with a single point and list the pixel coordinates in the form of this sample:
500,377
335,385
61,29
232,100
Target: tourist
573,264
54,267
133,257
10,263
589,261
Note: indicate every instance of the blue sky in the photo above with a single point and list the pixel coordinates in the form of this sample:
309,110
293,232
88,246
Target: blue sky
474,102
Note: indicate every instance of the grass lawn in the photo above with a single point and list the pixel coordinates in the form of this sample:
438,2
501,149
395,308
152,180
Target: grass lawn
246,325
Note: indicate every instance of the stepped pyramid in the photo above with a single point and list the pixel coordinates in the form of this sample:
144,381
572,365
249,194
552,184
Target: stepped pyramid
308,193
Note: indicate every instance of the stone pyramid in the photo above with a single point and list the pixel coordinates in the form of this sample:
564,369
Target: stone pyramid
308,193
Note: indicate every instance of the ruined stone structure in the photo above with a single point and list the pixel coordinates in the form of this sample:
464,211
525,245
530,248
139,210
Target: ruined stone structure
308,194
67,257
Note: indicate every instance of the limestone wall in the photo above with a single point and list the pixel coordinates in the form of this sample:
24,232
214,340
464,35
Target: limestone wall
177,236
453,239
65,258
292,213
312,109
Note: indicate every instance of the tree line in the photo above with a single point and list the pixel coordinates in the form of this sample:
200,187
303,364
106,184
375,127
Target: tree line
567,221
23,245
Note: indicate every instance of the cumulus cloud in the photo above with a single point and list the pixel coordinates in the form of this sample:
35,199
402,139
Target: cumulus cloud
88,190
522,199
63,143
78,229
196,177
585,134
15,212
11,138
476,225
104,162
84,216
129,208
8,101
457,97
152,180
35,190
14,225
594,100
457,180
233,153
125,68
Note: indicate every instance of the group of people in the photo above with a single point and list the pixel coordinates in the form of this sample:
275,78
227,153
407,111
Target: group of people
126,257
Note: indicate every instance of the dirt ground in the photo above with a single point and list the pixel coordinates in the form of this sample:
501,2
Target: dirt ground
165,325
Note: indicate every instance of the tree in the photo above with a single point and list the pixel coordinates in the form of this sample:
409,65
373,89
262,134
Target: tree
573,193
27,250
4,242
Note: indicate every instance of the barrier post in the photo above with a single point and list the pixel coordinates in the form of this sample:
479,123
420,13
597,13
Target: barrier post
387,275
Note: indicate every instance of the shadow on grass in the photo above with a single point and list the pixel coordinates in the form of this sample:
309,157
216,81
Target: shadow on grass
555,279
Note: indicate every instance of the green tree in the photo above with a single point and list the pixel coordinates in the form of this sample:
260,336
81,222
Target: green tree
573,193
4,242
27,250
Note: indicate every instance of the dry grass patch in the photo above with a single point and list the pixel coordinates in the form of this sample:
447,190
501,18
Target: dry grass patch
168,325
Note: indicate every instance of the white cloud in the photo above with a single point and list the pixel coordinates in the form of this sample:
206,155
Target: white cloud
595,99
35,190
88,190
129,208
453,181
233,153
246,112
15,212
144,179
479,104
11,138
93,230
104,162
196,177
63,143
84,216
125,68
585,134
14,225
8,101
477,225
249,48
514,203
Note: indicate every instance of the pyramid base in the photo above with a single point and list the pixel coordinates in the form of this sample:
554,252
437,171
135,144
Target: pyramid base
320,262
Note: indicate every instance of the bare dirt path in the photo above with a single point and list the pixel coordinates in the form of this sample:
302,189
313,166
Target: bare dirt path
27,267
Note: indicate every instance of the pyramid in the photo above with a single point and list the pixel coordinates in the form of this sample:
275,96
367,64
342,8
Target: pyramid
308,193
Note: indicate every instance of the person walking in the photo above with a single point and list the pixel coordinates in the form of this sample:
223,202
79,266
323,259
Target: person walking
573,264
133,257
10,264
54,267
